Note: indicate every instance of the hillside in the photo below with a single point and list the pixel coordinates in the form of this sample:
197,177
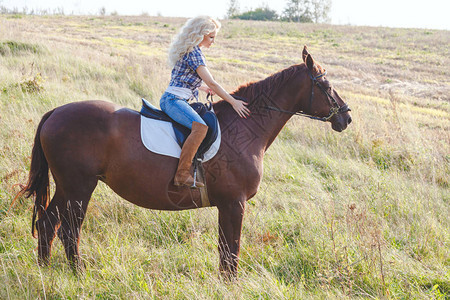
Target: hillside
358,214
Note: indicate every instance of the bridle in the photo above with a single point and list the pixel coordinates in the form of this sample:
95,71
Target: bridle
334,109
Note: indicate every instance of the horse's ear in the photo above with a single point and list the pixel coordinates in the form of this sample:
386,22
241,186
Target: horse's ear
305,53
309,61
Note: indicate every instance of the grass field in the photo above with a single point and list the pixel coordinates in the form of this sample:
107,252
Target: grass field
358,214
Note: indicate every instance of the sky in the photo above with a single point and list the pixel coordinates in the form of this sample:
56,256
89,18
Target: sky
432,14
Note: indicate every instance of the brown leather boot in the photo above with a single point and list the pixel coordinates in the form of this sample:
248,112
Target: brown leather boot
190,147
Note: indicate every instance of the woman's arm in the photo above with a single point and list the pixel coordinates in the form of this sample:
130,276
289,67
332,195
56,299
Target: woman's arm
238,105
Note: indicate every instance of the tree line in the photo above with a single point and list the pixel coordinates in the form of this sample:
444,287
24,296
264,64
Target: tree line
305,11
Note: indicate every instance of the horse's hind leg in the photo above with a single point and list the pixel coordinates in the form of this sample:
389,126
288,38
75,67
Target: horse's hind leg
47,225
72,217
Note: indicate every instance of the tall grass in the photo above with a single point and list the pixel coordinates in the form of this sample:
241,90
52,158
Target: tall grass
360,214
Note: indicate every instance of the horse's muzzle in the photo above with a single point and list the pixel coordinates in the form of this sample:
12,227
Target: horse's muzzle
340,122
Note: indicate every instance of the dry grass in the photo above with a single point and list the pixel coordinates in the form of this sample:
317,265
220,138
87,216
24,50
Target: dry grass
363,213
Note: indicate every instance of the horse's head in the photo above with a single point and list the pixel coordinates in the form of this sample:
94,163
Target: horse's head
324,102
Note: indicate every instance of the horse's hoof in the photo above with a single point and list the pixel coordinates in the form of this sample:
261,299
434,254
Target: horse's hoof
43,262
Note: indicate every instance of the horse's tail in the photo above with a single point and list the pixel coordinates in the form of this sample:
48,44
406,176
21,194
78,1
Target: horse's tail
38,180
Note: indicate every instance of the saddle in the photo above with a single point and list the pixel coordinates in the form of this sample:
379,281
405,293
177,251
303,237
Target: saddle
182,132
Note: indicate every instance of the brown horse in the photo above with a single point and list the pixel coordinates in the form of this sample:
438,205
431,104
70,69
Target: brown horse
84,142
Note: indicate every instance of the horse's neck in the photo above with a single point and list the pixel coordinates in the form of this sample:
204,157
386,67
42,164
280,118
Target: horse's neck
256,133
266,123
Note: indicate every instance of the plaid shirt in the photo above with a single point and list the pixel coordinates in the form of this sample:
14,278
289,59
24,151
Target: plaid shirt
184,72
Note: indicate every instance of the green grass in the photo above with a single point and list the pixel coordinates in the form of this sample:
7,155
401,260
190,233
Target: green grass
16,48
357,214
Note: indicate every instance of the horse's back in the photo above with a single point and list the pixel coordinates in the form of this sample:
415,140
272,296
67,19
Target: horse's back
79,116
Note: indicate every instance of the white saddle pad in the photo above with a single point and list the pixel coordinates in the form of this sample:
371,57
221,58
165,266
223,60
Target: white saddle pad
159,137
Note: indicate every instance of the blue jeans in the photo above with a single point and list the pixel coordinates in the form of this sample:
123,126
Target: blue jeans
179,110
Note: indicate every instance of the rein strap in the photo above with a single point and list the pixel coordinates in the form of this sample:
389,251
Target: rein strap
298,113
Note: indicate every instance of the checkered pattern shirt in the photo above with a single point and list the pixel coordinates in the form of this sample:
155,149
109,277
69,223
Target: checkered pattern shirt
184,72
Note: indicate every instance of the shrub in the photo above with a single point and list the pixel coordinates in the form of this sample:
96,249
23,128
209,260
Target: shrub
260,14
15,48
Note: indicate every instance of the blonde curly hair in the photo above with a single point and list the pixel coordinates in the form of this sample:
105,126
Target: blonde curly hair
190,35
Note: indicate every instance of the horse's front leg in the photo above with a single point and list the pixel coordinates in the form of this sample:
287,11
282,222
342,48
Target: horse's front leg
230,226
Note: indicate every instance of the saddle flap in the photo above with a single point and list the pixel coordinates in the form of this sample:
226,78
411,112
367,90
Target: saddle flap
210,119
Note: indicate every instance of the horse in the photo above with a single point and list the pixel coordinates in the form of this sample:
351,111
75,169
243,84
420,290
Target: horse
83,142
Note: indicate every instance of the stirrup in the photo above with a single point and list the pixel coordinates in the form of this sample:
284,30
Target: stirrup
197,161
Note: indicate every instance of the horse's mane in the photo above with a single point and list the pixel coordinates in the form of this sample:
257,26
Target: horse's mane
268,85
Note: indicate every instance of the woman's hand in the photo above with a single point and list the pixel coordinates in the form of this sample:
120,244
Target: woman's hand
207,90
241,108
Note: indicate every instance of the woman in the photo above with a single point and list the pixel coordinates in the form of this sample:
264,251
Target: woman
188,73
